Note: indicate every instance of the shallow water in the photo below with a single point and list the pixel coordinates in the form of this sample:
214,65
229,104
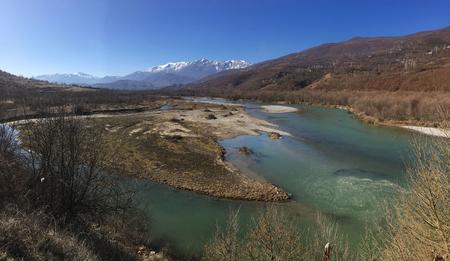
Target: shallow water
333,164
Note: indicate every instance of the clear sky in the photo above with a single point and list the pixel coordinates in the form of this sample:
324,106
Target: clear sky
112,37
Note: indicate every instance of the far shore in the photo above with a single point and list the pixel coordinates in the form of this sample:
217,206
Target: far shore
431,131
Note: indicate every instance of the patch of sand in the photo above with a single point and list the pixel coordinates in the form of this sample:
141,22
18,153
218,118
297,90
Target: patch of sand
135,131
168,128
278,109
429,131
229,122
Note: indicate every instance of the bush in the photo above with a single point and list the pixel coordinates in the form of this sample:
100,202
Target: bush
66,205
66,159
418,226
12,174
29,236
273,236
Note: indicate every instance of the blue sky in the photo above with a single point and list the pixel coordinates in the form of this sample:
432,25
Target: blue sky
107,37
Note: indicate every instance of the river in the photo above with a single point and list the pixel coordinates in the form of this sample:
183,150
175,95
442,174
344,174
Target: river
333,164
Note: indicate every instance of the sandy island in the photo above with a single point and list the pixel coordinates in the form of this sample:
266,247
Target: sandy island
278,109
178,147
429,131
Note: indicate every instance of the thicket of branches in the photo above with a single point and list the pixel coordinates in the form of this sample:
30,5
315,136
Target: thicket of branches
418,226
66,157
54,179
274,236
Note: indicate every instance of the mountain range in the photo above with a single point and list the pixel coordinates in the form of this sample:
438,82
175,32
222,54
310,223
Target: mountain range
174,73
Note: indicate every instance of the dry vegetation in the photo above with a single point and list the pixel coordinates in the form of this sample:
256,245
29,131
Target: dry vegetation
56,203
274,236
418,226
27,236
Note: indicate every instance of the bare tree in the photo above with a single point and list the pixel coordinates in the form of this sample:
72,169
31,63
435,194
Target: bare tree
12,178
226,245
275,237
66,157
418,227
326,242
272,236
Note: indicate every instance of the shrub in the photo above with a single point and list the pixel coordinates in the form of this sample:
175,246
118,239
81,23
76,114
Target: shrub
66,159
29,237
273,236
418,226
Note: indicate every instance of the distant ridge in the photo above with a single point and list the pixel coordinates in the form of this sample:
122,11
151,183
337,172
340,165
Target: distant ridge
174,73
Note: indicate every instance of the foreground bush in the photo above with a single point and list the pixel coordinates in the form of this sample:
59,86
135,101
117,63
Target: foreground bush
30,237
419,224
273,236
66,207
66,157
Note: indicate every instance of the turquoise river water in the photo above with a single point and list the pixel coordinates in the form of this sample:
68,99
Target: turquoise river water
333,164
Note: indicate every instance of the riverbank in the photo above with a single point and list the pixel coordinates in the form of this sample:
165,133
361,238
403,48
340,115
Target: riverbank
419,127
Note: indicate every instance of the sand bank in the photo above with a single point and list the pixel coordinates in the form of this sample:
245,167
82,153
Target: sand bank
429,131
278,109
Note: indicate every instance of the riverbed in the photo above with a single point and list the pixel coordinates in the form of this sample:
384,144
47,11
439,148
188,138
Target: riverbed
332,163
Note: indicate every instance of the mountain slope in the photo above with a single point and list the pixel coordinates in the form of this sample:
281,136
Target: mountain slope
415,62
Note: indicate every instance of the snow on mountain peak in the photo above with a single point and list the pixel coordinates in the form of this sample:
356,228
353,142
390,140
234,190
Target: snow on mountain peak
172,66
203,64
85,75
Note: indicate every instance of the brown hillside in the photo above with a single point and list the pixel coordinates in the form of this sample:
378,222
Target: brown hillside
418,62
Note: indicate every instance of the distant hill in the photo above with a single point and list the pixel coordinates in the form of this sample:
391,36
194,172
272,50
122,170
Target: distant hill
12,84
153,78
75,78
125,85
416,62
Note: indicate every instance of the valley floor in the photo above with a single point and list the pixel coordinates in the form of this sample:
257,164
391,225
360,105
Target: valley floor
174,142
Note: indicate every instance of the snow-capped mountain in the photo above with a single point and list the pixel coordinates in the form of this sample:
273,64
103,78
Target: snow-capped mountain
200,68
174,73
